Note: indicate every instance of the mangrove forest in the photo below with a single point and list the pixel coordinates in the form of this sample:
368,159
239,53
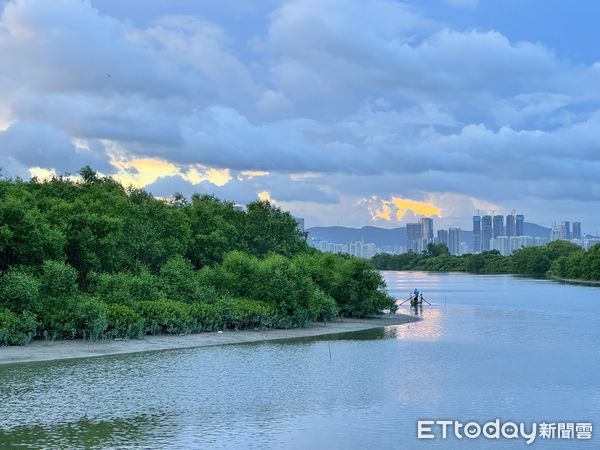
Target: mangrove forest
86,257
558,259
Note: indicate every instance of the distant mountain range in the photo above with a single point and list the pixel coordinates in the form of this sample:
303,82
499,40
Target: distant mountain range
396,236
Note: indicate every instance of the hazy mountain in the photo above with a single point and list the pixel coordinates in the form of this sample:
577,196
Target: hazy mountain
396,236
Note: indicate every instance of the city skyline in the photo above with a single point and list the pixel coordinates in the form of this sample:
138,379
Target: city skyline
490,232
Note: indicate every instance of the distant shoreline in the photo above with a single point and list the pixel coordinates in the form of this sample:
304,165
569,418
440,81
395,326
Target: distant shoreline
518,275
576,281
38,351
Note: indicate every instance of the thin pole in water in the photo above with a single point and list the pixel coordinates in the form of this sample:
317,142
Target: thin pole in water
329,346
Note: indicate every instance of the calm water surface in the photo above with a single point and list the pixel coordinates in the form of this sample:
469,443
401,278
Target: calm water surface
492,346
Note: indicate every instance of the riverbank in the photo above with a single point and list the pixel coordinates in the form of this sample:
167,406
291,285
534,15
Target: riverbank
57,350
576,281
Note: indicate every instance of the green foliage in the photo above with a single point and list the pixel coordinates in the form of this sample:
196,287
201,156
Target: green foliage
245,313
90,318
558,258
19,291
127,288
179,280
268,229
58,280
124,321
355,287
578,264
537,261
437,249
166,317
16,329
92,259
26,237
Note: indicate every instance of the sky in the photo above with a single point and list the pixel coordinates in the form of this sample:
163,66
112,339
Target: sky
344,112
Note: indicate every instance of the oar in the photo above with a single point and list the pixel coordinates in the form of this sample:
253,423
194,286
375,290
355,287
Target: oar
426,301
405,301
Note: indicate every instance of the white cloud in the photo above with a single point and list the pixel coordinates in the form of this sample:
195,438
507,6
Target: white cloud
371,96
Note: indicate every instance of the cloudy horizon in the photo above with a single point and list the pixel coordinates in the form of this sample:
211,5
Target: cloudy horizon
344,112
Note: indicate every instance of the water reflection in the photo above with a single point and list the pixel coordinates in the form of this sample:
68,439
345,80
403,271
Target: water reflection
485,355
428,329
82,433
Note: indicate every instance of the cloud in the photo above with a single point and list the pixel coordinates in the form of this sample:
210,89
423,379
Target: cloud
401,206
242,190
27,144
371,98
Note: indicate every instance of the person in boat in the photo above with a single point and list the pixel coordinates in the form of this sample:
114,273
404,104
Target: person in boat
416,294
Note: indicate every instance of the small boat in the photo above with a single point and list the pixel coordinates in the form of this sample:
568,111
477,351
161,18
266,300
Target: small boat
415,300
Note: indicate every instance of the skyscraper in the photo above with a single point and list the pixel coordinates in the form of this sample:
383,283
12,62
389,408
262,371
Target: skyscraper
442,237
576,230
414,237
510,225
486,232
476,234
454,241
519,224
565,230
554,233
498,226
427,230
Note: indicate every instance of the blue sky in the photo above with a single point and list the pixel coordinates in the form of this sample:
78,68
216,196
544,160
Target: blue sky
346,112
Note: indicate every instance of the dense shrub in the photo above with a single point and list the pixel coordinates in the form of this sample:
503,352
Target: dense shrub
207,317
90,317
325,306
93,259
179,280
124,321
578,265
19,291
244,313
532,261
352,283
58,280
127,288
166,317
16,329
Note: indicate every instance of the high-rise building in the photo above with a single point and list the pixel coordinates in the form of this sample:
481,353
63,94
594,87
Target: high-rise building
519,224
510,225
498,226
565,230
502,244
476,234
426,231
486,232
442,237
454,241
414,237
554,233
576,230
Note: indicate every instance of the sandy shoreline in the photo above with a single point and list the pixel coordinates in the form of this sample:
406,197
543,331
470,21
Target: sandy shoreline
57,350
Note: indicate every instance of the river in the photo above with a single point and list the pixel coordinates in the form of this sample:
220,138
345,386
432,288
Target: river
490,347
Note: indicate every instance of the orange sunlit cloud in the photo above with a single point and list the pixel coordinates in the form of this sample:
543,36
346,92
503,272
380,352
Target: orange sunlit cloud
401,207
264,196
219,177
147,171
